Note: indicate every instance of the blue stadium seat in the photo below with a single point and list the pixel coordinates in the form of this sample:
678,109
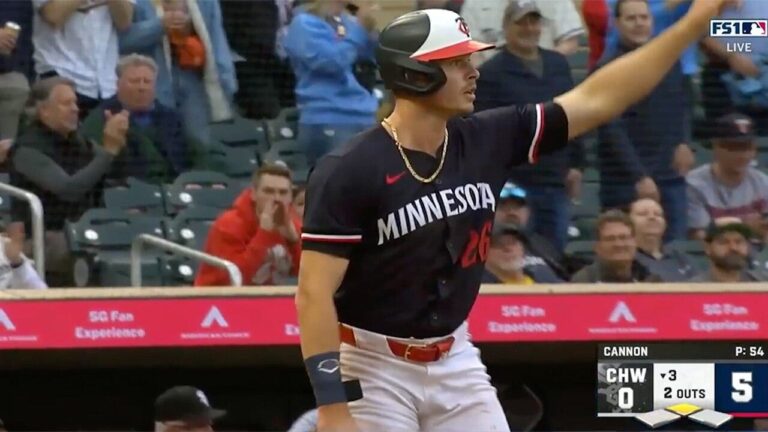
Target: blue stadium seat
101,242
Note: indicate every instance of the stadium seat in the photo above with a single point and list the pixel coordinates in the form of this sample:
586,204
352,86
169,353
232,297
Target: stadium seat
189,228
101,242
241,132
588,205
135,197
288,151
579,59
693,248
200,188
284,126
583,249
235,162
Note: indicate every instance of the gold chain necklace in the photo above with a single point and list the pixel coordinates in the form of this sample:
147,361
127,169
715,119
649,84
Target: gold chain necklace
413,172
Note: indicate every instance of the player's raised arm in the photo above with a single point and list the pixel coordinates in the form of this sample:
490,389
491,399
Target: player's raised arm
623,82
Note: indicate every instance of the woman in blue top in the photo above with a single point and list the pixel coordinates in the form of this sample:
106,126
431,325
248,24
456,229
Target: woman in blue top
324,43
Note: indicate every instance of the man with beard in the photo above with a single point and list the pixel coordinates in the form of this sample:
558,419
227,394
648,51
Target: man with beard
727,246
506,257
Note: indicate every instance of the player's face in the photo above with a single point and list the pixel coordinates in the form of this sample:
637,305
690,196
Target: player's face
615,243
735,157
523,34
729,251
635,23
512,211
457,96
506,253
648,217
271,188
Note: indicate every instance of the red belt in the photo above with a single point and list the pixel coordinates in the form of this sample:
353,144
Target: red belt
415,353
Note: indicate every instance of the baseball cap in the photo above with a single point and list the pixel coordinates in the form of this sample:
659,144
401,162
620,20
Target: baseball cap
734,127
185,403
728,224
517,9
513,191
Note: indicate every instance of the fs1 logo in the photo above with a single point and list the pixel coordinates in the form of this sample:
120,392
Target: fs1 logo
738,28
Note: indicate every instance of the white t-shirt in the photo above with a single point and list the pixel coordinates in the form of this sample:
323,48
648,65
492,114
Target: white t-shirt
84,49
484,19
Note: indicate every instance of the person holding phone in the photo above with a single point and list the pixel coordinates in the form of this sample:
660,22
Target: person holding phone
259,234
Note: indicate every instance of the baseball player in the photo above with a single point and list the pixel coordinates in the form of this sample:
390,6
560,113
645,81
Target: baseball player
397,224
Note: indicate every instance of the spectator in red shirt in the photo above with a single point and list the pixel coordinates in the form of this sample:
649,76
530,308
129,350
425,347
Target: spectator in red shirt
259,234
596,17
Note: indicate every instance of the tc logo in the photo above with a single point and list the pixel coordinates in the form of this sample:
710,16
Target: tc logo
463,26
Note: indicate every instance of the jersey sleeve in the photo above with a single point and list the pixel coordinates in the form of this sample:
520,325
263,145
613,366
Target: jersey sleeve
333,209
519,134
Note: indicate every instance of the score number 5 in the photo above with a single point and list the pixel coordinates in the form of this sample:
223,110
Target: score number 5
741,382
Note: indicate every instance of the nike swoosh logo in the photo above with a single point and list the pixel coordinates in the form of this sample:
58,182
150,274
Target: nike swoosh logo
392,179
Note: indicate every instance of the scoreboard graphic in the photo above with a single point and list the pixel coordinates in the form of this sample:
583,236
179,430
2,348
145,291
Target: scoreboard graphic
661,383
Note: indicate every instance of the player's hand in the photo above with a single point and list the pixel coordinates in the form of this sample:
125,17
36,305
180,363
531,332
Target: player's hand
573,183
684,159
646,188
702,11
335,418
743,65
267,216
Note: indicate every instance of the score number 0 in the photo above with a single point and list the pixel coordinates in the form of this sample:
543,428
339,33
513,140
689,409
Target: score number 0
741,382
626,397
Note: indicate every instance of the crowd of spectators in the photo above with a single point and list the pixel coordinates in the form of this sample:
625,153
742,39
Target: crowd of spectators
96,92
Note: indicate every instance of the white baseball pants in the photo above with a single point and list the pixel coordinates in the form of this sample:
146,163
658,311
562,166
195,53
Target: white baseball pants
453,394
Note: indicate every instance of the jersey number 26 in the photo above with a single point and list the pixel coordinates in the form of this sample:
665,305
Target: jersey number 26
477,246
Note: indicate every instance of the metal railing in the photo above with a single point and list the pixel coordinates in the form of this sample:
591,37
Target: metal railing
138,246
38,229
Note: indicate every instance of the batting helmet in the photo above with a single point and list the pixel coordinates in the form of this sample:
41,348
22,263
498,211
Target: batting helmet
408,44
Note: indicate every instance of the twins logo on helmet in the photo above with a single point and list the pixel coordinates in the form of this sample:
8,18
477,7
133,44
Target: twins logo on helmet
463,26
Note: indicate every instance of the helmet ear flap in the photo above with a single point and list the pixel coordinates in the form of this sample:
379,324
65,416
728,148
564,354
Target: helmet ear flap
402,73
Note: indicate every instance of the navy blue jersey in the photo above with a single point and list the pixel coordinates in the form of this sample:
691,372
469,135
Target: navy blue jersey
417,251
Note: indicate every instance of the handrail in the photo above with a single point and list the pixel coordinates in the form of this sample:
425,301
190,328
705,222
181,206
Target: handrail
138,245
38,228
